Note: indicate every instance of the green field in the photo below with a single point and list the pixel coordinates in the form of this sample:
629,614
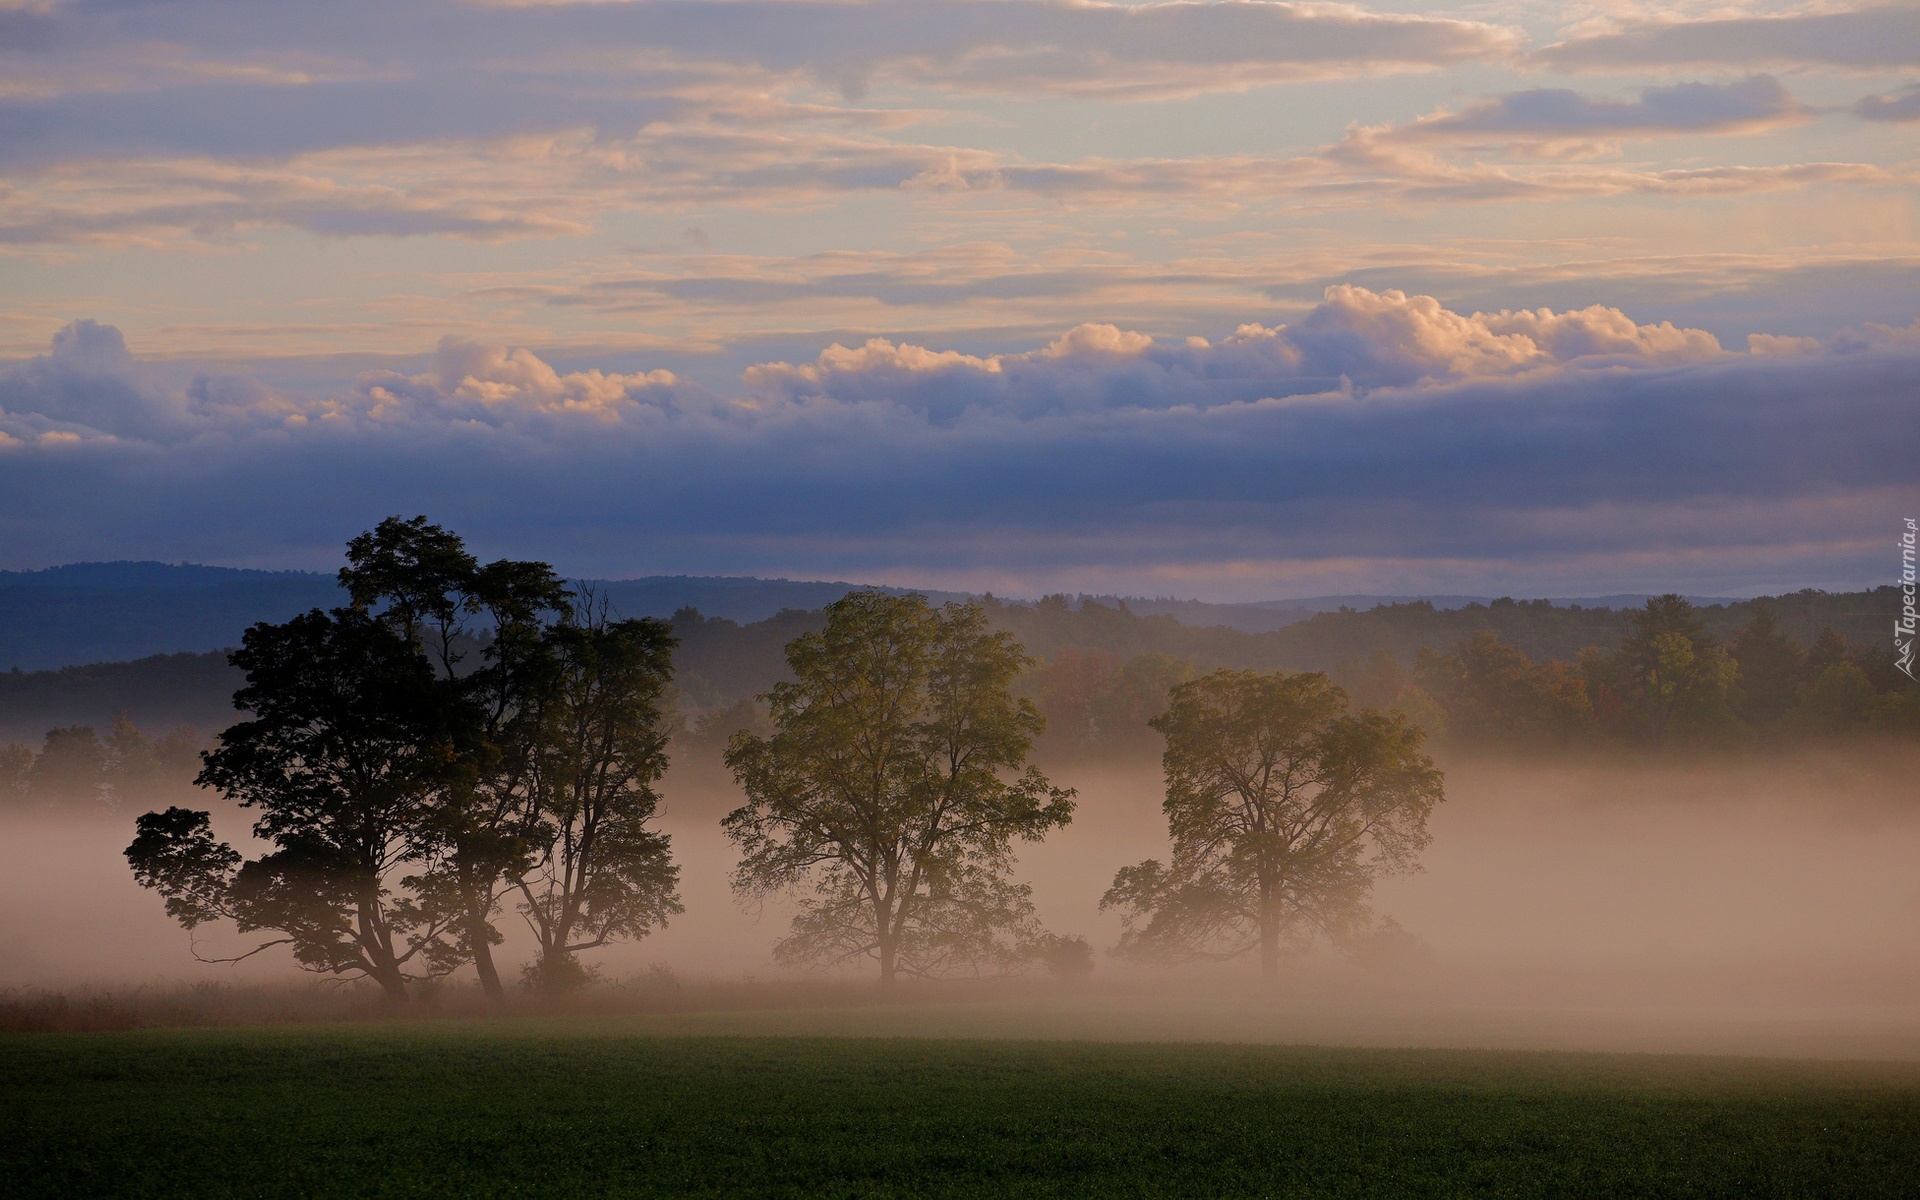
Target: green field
605,1107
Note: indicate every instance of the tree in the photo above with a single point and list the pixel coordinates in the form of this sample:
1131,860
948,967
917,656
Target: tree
1493,694
1283,809
893,785
71,768
348,744
1070,684
1123,711
563,736
478,835
600,874
1678,684
16,767
1771,666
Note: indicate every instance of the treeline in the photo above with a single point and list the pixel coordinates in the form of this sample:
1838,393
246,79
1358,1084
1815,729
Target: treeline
1088,652
1670,681
75,769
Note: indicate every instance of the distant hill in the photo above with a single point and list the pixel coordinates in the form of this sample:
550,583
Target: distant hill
108,612
119,611
115,612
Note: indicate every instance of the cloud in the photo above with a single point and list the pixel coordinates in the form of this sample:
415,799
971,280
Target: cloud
1355,338
1555,114
557,185
187,75
1900,106
87,382
208,79
1868,38
474,381
1529,440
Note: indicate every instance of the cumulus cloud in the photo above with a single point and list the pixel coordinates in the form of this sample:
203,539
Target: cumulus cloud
1355,338
1877,37
471,380
1528,438
88,388
87,382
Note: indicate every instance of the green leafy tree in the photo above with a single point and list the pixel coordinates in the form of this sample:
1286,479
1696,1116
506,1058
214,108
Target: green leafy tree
894,786
1841,700
1283,809
600,874
1677,684
348,744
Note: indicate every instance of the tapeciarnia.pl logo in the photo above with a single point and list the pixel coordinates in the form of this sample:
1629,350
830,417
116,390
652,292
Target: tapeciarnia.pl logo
1903,629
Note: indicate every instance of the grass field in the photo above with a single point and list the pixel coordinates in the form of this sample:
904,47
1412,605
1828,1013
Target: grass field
571,1107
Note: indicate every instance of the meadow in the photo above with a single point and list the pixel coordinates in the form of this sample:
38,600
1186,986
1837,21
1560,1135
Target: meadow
588,1106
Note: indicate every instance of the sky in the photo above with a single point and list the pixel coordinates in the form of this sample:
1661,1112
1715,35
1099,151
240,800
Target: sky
1234,300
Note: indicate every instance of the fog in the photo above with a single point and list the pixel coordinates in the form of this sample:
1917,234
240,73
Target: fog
1763,906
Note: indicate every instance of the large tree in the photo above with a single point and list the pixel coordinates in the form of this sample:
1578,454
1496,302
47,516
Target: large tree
349,742
457,734
485,630
1283,808
600,873
894,786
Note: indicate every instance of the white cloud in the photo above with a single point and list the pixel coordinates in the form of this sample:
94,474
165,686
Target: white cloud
475,381
1355,337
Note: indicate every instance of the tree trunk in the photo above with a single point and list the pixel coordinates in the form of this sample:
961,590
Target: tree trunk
883,913
376,951
393,985
478,928
1269,932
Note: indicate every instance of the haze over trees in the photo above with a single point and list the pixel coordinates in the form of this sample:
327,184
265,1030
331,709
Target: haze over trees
892,790
1090,657
458,733
1283,809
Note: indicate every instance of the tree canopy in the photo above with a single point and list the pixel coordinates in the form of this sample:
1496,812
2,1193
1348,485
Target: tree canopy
1283,809
458,733
893,784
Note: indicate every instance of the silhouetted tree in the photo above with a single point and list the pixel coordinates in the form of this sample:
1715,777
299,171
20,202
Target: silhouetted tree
479,833
348,745
599,873
892,785
1283,809
71,768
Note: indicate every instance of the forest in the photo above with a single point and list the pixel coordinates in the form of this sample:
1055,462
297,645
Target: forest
1507,677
